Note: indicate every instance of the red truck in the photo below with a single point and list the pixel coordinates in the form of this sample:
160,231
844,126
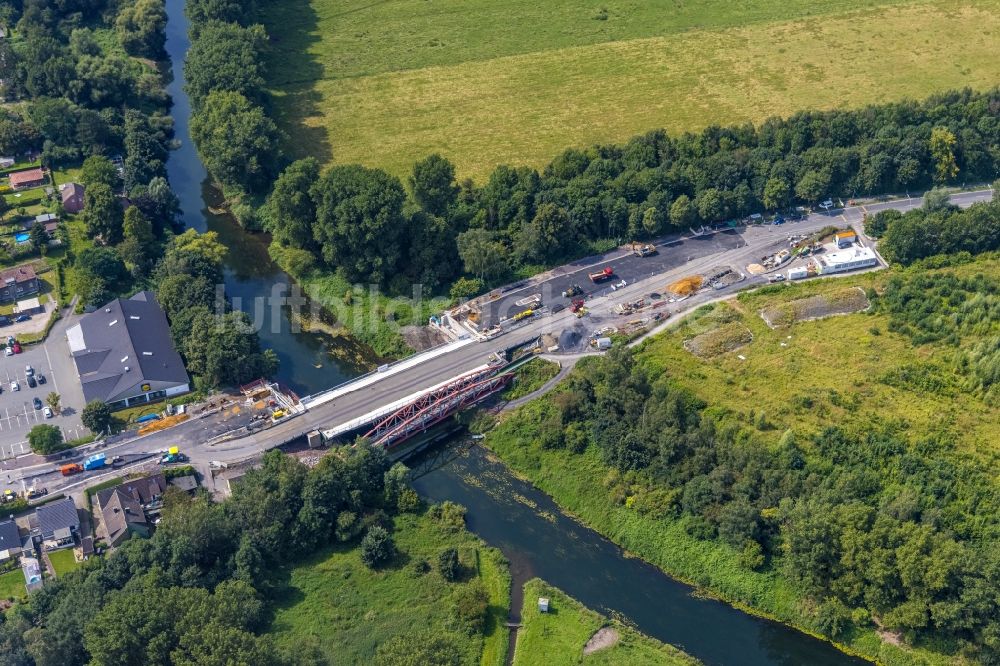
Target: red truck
605,274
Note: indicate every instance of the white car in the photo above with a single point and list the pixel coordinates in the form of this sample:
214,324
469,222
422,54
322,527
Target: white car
48,412
620,285
14,386
9,351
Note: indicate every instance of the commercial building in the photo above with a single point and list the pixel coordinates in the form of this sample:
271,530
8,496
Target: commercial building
124,354
846,239
845,260
18,282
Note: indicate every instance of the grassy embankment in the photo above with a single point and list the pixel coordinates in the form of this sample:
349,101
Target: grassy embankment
333,603
530,377
811,374
493,82
559,636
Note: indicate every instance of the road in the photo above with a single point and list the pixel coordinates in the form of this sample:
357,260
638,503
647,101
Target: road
676,259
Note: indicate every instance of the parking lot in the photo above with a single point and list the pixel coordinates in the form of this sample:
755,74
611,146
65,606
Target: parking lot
18,414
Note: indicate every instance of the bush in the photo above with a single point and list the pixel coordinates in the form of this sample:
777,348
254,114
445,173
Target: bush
471,604
449,514
97,416
377,548
448,565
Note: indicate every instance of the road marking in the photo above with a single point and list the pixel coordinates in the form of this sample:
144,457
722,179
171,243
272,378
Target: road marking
52,375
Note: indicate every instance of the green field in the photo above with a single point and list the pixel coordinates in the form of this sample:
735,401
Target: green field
557,638
336,605
488,82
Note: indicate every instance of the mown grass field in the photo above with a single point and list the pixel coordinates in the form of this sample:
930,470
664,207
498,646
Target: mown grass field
12,585
557,638
63,561
490,82
335,604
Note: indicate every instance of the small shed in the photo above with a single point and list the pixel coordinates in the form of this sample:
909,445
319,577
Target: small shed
543,604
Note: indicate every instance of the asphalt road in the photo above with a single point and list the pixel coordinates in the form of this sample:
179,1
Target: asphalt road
736,249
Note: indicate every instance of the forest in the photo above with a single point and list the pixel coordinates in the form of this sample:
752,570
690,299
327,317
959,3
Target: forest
85,94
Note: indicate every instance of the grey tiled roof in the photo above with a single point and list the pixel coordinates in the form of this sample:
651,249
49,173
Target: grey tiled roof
57,515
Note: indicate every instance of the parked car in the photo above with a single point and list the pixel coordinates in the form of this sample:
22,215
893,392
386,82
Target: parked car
14,386
22,317
40,378
777,277
37,403
48,412
31,382
4,320
28,370
10,340
17,348
620,285
8,351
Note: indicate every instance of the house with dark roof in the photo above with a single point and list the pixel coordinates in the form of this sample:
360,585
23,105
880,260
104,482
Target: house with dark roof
58,524
10,540
123,508
124,353
72,197
23,180
18,282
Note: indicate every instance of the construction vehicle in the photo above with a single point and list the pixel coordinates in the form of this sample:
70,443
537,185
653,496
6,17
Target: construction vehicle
523,315
604,274
96,461
173,455
644,250
71,469
576,306
574,290
8,496
35,493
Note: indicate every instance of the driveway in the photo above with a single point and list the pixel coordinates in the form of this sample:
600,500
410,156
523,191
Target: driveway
33,326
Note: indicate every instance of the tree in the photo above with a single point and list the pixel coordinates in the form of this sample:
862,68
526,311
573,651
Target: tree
224,57
98,169
141,28
225,349
776,193
683,212
236,140
39,236
97,417
813,186
377,547
942,145
547,236
433,184
52,400
4,207
448,565
45,439
290,211
711,205
876,225
102,214
936,199
158,202
359,225
483,255
139,245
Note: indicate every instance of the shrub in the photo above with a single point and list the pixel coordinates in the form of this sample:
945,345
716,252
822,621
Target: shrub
377,548
471,605
45,439
448,565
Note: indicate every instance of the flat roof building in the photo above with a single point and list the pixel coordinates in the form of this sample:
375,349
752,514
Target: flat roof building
845,260
124,353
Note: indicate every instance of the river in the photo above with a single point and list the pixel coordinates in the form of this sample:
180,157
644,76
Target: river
540,540
310,361
537,538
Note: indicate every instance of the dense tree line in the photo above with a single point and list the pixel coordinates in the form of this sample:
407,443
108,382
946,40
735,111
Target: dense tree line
653,184
874,524
196,592
937,228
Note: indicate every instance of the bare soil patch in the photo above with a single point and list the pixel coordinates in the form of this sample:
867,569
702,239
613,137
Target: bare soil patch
726,338
602,639
844,301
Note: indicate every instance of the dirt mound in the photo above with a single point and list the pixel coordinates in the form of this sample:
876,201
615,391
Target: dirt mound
686,286
602,639
844,301
420,338
726,338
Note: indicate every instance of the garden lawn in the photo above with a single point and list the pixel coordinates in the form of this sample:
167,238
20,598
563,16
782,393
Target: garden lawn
63,561
12,585
490,82
557,638
334,603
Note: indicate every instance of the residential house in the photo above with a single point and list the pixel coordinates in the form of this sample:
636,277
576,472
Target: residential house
58,524
10,540
46,218
72,197
23,180
123,508
187,483
124,353
18,282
